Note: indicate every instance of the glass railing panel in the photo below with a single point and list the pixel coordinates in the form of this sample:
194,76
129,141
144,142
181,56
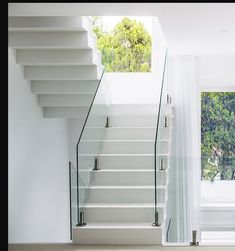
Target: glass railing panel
73,196
161,150
212,216
183,209
90,144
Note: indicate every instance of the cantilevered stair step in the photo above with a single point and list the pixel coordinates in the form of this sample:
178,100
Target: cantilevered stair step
126,194
65,112
122,146
65,72
51,40
64,86
128,176
64,100
118,233
138,121
127,133
58,57
47,23
140,109
124,161
123,212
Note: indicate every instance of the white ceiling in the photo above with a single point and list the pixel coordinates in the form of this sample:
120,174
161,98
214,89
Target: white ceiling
189,28
199,28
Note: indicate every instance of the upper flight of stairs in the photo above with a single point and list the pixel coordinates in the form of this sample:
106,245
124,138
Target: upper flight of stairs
120,204
59,57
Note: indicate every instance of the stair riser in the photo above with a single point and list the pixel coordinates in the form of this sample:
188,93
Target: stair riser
126,195
118,236
128,162
137,121
56,40
65,112
64,87
117,215
64,100
128,133
62,72
57,57
114,147
129,178
139,109
133,121
122,162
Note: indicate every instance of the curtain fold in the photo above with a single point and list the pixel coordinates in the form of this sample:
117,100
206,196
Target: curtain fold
186,156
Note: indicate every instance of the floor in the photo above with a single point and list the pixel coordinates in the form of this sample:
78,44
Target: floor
69,247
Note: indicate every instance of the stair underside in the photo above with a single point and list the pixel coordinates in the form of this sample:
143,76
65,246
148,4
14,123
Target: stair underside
59,56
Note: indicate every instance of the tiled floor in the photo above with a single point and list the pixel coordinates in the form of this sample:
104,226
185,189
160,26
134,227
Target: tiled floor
68,247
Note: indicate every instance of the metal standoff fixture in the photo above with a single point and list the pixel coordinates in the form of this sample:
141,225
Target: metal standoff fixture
166,124
96,165
107,122
194,241
168,99
156,223
81,220
162,164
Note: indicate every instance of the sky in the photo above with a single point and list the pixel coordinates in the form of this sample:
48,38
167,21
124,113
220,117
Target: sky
110,21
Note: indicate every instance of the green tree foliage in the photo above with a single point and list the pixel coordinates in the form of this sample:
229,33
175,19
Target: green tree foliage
97,26
127,48
218,135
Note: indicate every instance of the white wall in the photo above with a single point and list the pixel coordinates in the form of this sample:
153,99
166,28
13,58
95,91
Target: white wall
216,72
220,191
38,167
75,127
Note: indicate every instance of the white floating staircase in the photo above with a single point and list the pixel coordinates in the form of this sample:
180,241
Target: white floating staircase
60,58
120,205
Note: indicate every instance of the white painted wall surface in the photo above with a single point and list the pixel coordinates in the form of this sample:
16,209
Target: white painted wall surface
38,167
216,72
133,88
218,191
75,127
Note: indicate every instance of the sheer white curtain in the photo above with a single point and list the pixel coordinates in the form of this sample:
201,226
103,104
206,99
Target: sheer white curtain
186,154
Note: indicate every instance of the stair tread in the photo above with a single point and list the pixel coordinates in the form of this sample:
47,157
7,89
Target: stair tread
124,127
121,140
123,154
119,225
125,186
122,205
120,170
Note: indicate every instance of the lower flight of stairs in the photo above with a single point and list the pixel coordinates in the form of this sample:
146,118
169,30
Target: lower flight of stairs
120,205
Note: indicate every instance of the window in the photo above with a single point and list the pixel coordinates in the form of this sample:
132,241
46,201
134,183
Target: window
218,167
218,136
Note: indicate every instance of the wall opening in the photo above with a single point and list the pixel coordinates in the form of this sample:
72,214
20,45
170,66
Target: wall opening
125,42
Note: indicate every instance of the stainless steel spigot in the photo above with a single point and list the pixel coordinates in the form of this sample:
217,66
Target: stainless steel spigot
96,165
81,220
194,241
